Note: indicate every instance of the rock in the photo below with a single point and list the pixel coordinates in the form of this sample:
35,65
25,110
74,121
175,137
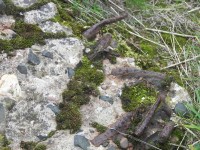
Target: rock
33,59
104,86
42,137
9,86
24,3
54,27
111,148
106,99
2,6
81,141
124,143
47,54
22,68
181,110
2,118
46,12
54,108
6,23
105,144
70,72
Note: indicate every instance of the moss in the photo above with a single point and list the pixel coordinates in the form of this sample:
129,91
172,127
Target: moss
69,117
168,39
135,96
28,145
51,133
125,50
149,48
40,147
11,9
27,35
4,142
88,73
100,128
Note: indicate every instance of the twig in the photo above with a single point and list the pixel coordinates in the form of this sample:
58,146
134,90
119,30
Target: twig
195,9
91,33
140,128
181,62
173,33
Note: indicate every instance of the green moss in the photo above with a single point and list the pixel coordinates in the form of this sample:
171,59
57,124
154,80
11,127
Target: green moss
51,133
100,128
125,50
69,117
168,39
28,145
149,48
11,9
135,96
27,35
4,142
40,147
88,73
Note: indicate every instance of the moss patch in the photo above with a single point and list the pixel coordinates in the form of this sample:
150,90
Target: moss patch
32,146
100,128
40,147
135,96
27,35
84,84
4,142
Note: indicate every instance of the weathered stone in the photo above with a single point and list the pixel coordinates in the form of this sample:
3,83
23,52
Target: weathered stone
9,86
6,23
181,110
46,12
81,141
111,148
105,144
54,108
70,72
22,68
47,54
24,3
2,113
54,27
2,6
106,99
33,59
124,143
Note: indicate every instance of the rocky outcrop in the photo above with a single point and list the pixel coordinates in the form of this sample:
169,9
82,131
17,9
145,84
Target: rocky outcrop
46,12
24,3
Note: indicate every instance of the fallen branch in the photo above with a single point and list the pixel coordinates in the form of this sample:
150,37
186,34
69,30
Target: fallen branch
141,127
154,78
101,46
91,33
121,125
166,132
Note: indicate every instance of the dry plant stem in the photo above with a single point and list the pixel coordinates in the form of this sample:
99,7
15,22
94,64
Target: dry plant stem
181,62
91,33
173,33
121,125
141,127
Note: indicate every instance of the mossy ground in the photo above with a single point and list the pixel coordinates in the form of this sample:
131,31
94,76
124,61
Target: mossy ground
83,84
32,146
137,96
100,128
4,142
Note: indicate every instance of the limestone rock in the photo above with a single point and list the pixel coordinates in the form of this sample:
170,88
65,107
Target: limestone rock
54,27
81,141
9,86
2,118
106,98
46,12
24,3
70,72
124,143
5,27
